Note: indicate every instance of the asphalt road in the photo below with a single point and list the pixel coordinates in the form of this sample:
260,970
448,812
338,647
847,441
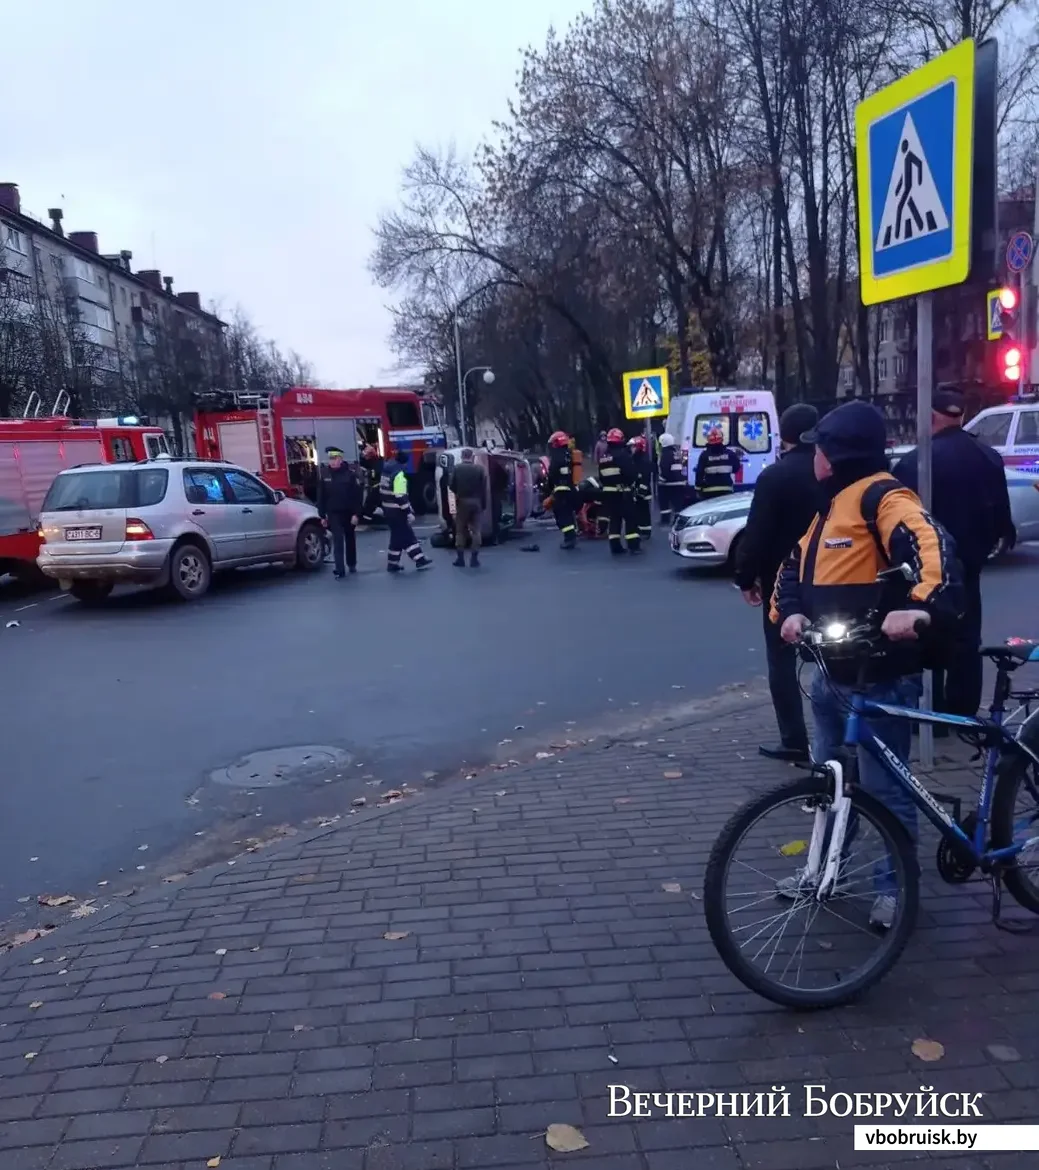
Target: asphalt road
112,720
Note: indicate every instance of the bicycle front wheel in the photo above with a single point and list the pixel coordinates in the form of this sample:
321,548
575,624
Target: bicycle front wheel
765,920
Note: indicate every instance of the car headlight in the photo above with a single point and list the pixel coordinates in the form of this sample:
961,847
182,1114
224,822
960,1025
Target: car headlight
707,521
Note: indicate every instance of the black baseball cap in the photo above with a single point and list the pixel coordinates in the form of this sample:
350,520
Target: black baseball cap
947,400
854,430
795,420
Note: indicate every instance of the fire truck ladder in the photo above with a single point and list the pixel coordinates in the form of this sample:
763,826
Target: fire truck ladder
265,421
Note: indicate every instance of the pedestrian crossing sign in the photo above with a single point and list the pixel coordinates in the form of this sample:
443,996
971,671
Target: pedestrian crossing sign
915,159
647,394
994,315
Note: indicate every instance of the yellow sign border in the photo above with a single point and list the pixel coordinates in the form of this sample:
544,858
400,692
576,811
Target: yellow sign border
993,295
958,64
665,392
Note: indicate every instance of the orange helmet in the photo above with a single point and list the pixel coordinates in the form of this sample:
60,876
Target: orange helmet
639,444
558,439
714,435
615,435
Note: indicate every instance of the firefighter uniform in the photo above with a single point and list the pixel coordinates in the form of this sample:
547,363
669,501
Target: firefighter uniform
561,485
396,508
372,464
642,492
670,479
617,476
716,470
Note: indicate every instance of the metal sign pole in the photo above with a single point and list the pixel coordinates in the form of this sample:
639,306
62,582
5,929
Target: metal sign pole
1024,294
924,388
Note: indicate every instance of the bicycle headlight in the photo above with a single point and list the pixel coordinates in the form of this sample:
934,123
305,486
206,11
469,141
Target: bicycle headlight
835,632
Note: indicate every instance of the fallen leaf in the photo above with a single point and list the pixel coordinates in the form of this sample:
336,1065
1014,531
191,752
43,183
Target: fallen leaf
824,945
36,1005
302,1028
26,936
392,794
695,897
501,792
216,995
793,848
565,1139
213,1163
104,883
677,687
161,1059
174,877
927,1050
518,727
622,800
37,962
503,741
359,800
13,625
222,951
396,935
25,899
674,774
84,909
31,1055
671,888
641,743
543,755
55,899
611,1058
142,848
428,775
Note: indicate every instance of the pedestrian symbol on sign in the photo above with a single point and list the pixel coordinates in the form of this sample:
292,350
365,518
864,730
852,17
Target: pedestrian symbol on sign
647,397
913,207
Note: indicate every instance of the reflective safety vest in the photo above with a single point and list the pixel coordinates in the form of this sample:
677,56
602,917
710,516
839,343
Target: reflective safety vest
610,474
393,492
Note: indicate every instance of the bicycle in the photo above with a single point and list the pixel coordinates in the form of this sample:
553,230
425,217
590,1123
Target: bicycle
824,887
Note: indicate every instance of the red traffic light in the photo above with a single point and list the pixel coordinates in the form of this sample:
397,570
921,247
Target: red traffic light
1012,356
1008,298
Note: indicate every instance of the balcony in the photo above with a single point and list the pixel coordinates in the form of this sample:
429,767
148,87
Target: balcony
76,288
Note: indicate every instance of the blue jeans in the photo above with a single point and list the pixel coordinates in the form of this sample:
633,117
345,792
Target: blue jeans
828,736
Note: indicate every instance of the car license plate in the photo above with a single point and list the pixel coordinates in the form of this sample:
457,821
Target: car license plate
674,542
82,533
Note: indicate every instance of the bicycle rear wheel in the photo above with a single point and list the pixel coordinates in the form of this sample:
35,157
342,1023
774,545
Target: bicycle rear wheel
1015,818
830,969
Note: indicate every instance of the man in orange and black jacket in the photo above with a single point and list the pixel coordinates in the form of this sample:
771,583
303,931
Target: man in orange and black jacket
872,523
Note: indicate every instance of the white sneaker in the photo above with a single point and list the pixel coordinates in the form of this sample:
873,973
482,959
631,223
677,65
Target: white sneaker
882,914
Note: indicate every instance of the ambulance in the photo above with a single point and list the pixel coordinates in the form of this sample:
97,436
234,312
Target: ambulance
747,419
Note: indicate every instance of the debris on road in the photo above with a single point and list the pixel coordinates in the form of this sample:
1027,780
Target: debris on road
13,625
565,1139
55,899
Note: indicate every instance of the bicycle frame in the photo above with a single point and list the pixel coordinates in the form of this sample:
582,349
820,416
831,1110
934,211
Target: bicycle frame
858,734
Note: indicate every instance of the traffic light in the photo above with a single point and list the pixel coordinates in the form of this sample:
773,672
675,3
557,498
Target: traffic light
1010,353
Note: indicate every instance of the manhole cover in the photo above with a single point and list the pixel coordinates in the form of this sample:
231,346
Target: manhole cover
278,766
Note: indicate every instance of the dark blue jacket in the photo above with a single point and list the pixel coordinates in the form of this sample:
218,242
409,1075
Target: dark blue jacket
969,495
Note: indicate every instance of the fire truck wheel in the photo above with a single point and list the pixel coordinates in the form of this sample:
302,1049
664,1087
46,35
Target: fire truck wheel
190,572
310,548
90,592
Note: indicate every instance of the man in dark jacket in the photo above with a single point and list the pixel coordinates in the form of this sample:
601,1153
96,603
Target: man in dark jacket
969,497
339,501
786,499
717,467
469,484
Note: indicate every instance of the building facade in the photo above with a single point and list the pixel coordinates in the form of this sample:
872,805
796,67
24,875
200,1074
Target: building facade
81,330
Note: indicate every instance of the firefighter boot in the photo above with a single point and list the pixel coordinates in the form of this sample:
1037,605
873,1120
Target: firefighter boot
459,561
474,559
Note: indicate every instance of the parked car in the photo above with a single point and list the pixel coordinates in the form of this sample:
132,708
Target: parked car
169,522
708,533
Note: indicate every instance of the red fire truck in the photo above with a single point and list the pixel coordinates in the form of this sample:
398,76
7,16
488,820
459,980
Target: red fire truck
282,437
32,452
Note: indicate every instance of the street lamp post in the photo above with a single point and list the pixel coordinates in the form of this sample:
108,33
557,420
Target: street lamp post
488,373
488,378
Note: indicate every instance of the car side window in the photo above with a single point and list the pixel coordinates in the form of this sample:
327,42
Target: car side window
247,490
1027,429
994,429
202,486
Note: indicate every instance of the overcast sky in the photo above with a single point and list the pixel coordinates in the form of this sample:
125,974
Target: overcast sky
246,147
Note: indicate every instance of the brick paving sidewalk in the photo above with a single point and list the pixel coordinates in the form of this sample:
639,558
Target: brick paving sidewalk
258,1014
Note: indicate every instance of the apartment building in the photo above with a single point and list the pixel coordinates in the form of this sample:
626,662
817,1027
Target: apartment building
117,337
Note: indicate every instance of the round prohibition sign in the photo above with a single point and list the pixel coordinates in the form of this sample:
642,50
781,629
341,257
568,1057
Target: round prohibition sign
1019,251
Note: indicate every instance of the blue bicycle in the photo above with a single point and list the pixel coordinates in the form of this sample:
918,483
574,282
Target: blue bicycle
805,937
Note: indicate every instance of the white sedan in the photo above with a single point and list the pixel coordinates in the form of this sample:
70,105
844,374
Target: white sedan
708,532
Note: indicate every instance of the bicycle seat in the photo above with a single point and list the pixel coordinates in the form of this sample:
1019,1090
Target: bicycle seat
1015,650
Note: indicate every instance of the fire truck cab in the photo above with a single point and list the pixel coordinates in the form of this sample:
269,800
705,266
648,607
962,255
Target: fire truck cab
34,449
283,437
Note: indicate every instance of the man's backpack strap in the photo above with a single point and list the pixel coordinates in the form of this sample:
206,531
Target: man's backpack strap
870,505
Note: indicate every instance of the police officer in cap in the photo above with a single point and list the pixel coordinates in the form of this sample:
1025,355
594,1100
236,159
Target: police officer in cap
339,500
969,497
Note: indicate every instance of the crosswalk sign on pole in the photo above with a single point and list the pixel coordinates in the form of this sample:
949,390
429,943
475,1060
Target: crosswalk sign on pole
915,159
994,315
647,393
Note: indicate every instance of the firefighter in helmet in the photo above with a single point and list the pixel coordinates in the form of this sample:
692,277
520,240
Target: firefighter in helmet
617,476
642,490
396,508
561,485
671,480
717,467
